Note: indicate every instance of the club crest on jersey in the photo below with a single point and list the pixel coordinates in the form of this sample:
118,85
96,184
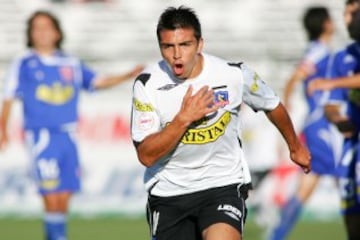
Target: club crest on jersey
221,98
66,73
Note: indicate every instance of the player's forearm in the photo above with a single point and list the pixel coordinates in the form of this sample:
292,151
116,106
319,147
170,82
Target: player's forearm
157,145
280,118
298,153
347,82
5,113
111,81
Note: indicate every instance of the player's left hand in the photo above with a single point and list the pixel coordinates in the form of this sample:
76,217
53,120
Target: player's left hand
302,157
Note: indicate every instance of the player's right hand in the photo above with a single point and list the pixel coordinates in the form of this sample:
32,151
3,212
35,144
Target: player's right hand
196,106
319,84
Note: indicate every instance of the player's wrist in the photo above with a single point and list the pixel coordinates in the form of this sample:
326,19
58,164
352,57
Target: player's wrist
181,121
294,146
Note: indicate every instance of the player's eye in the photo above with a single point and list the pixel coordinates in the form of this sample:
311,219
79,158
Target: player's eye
166,46
186,44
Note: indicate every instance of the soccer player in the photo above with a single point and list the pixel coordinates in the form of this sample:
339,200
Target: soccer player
48,82
317,130
346,74
352,78
185,118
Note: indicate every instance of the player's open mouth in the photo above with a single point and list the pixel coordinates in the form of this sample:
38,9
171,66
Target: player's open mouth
178,69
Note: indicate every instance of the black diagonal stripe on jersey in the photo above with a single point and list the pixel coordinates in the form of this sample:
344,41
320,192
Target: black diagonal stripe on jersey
218,87
236,64
144,77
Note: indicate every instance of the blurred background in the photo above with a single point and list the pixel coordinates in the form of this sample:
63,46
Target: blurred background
112,36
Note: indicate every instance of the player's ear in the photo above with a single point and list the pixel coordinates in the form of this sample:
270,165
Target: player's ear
200,46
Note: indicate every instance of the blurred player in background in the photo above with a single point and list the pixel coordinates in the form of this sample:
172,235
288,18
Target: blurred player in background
346,115
185,119
48,82
323,141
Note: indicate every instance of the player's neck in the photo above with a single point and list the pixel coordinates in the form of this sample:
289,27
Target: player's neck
198,67
45,51
326,38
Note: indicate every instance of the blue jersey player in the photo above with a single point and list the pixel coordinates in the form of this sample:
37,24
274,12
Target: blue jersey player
346,73
48,82
316,130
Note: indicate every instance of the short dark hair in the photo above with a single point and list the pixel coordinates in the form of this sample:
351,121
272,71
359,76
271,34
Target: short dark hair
54,21
354,26
349,2
314,19
182,17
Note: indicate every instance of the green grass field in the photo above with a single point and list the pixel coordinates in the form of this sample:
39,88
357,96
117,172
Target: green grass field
136,229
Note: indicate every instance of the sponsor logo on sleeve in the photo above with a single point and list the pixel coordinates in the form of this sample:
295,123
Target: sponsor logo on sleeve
143,107
145,121
255,86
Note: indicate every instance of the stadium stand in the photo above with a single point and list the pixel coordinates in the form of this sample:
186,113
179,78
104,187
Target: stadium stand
255,31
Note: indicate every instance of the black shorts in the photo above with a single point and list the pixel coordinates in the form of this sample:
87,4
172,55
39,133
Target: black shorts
184,217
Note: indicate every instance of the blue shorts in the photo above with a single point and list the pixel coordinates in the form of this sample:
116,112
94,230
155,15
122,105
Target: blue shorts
320,142
348,174
55,158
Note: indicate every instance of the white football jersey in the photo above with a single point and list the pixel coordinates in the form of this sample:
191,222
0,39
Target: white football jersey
209,154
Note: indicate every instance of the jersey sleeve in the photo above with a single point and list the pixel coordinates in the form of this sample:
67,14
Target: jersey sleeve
88,77
12,80
257,94
144,117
